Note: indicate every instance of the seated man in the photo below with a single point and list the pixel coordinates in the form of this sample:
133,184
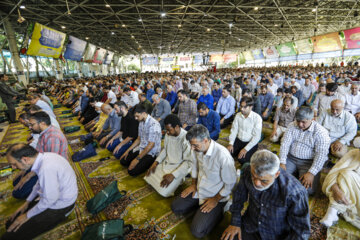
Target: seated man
57,191
341,126
280,212
210,119
123,139
142,153
35,100
304,148
161,109
226,107
195,89
213,177
206,98
283,117
245,132
216,92
148,105
267,100
352,101
298,94
174,161
294,102
257,104
133,97
341,185
322,101
187,110
171,96
35,108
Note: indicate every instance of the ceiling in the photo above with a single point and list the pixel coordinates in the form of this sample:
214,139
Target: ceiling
185,26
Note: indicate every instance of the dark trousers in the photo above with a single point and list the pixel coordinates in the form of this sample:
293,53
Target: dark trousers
227,121
26,189
202,223
238,145
11,114
38,224
143,165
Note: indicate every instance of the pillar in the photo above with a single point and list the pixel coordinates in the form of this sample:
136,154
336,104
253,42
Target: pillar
79,68
59,71
10,34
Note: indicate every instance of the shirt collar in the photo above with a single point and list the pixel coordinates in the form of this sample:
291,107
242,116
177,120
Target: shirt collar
210,149
112,113
37,163
311,128
47,129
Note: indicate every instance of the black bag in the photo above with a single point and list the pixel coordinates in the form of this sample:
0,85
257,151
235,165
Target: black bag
106,196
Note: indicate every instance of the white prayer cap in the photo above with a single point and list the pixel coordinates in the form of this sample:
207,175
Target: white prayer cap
98,104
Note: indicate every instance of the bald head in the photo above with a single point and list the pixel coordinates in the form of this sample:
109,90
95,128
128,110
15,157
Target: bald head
106,108
337,106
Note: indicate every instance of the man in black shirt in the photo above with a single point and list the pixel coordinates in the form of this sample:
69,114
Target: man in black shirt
121,141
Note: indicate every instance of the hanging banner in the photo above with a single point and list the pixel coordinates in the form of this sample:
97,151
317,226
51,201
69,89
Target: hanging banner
89,53
270,52
258,54
167,59
116,59
352,52
229,58
109,57
248,56
352,38
150,60
185,59
74,49
198,59
326,43
217,58
242,59
99,55
286,49
304,46
46,42
327,54
306,56
287,58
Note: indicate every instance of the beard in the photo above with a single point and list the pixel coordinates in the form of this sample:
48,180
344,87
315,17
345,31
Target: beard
263,188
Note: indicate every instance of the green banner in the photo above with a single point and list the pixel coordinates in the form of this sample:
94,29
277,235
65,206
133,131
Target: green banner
286,49
242,59
304,46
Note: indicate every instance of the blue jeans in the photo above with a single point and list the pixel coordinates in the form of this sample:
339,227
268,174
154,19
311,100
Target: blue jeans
121,151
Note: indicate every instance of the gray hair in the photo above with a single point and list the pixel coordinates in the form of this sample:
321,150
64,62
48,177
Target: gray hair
265,162
155,97
198,132
304,113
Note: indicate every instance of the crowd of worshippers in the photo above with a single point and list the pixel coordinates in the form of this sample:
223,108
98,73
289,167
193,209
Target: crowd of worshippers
315,113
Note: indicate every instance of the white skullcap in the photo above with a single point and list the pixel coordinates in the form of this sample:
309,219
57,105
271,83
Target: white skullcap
98,104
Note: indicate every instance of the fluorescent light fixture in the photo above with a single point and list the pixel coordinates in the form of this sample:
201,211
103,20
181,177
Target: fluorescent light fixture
256,8
112,33
208,30
123,25
63,27
87,38
22,7
107,5
163,14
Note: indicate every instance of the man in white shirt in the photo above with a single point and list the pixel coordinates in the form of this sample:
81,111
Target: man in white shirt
272,87
133,97
245,132
213,177
35,100
352,101
111,96
322,101
195,89
56,187
344,89
341,126
174,161
307,89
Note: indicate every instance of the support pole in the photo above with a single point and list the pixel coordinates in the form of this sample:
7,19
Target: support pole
59,71
10,34
79,68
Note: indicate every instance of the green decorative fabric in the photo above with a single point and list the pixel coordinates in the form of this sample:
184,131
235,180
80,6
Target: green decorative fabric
71,129
111,229
286,49
66,112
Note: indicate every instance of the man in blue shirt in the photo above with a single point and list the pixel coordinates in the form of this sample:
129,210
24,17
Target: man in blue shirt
267,100
206,98
226,107
216,92
149,92
210,119
278,204
171,96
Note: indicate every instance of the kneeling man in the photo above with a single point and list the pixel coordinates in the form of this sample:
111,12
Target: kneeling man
174,161
56,189
278,204
213,177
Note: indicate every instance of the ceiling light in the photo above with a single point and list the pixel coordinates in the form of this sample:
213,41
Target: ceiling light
256,8
123,25
63,27
230,24
205,14
132,36
87,38
112,33
107,5
140,20
314,10
208,30
275,25
179,25
22,7
163,14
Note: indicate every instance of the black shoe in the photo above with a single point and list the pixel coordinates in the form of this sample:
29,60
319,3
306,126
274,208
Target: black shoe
127,229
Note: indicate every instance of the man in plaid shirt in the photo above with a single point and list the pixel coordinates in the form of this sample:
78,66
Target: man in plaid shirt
304,148
278,204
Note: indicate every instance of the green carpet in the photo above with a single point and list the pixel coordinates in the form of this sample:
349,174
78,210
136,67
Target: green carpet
143,207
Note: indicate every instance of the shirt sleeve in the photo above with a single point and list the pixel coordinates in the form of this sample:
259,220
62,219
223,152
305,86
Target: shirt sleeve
184,167
34,192
298,217
50,192
162,154
322,144
231,110
216,125
350,130
106,124
234,130
228,175
218,106
256,134
117,126
240,196
194,167
286,142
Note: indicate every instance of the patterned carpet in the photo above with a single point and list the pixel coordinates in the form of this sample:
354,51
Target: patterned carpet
143,207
